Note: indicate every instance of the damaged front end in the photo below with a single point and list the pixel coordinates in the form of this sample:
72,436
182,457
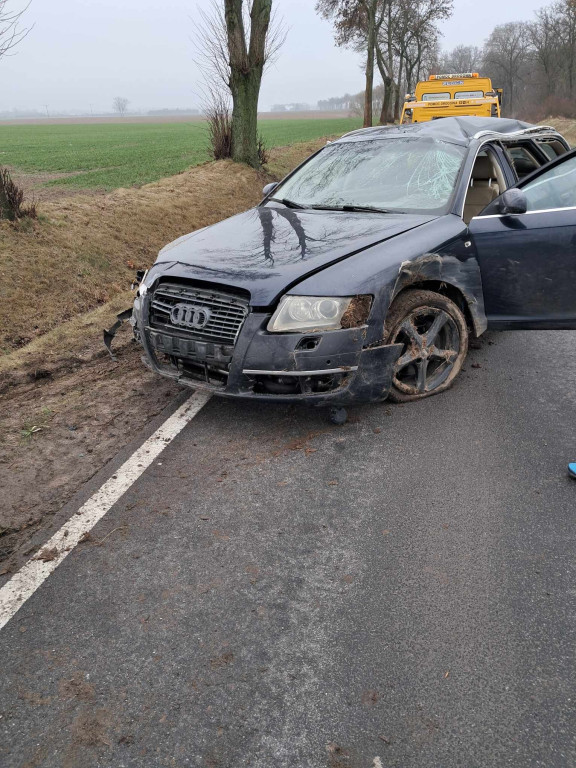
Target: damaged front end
209,337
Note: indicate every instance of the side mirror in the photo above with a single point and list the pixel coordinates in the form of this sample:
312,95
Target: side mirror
513,201
269,188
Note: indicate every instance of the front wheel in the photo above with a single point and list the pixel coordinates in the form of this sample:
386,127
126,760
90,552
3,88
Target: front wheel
434,333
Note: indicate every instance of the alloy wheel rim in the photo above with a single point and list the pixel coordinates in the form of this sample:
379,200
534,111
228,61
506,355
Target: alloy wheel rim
431,346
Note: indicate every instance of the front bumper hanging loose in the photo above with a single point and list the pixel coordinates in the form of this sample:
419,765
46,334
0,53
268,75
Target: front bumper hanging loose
331,368
111,333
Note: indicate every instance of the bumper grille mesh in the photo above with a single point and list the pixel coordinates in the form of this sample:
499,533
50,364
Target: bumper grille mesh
198,313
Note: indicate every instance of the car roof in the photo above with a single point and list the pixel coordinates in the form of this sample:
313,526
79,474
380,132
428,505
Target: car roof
456,130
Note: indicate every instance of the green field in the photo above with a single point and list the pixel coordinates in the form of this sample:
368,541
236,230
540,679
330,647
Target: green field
108,156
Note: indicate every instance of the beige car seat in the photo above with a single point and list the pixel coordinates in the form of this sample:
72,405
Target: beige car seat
483,188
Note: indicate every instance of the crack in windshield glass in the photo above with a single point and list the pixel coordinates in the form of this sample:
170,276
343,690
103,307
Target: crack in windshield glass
384,176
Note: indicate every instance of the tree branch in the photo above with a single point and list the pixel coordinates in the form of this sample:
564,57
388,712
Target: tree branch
10,32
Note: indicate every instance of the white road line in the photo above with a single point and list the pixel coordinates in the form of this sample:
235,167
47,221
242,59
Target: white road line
23,584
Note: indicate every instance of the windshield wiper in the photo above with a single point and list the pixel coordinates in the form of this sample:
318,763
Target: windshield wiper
368,208
287,203
353,208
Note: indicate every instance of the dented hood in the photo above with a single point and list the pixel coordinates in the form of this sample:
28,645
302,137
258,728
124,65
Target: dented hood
268,249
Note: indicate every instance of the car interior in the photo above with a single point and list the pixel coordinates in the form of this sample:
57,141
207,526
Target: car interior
486,183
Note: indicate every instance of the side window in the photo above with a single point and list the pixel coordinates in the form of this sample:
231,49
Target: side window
555,188
522,161
552,148
548,150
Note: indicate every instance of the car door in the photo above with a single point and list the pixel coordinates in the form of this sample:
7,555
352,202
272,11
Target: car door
528,260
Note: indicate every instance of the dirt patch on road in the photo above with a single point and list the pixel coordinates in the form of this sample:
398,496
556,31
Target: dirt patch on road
76,687
88,729
57,432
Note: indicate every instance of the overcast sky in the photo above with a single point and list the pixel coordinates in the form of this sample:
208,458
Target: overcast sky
82,53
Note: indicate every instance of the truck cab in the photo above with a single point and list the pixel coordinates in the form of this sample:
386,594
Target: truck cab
452,95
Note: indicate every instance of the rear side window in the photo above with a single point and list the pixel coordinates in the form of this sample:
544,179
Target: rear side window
435,96
523,161
548,150
552,149
555,188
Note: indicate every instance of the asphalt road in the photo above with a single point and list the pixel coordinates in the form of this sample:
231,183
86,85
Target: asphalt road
278,592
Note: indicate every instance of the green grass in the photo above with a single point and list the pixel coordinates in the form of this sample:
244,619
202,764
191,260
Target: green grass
108,156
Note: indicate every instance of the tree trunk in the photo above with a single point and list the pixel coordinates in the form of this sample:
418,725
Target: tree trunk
245,91
371,47
511,94
386,101
246,66
387,80
368,91
398,86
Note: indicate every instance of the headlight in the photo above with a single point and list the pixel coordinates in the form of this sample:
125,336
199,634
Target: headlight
319,313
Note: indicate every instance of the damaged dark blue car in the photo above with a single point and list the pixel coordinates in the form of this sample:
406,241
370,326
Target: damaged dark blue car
363,274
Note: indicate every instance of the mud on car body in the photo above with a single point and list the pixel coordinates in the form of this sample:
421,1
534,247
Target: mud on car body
362,274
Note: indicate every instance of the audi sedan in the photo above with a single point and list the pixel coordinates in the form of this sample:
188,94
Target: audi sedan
363,274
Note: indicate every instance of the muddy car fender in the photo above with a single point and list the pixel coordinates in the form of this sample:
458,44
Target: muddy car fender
389,268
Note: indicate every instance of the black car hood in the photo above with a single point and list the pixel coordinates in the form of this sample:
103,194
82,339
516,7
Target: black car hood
268,249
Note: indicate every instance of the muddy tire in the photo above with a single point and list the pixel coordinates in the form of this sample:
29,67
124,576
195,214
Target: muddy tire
435,336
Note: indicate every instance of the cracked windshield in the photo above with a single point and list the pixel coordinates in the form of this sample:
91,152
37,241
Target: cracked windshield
400,175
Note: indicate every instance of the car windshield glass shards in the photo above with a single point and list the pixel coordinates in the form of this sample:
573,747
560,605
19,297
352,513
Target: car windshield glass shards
409,175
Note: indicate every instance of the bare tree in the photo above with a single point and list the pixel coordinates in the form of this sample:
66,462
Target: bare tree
463,58
400,37
534,62
357,23
417,40
407,41
120,105
237,39
11,33
565,11
507,57
336,103
545,34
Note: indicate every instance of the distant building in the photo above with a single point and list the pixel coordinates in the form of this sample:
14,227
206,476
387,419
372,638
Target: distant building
296,107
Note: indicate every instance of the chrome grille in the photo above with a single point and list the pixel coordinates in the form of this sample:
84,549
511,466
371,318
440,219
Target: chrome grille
220,314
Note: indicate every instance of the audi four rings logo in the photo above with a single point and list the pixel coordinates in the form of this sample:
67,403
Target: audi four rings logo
190,316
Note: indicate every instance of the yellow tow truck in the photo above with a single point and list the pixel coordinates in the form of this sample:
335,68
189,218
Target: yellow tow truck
462,93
